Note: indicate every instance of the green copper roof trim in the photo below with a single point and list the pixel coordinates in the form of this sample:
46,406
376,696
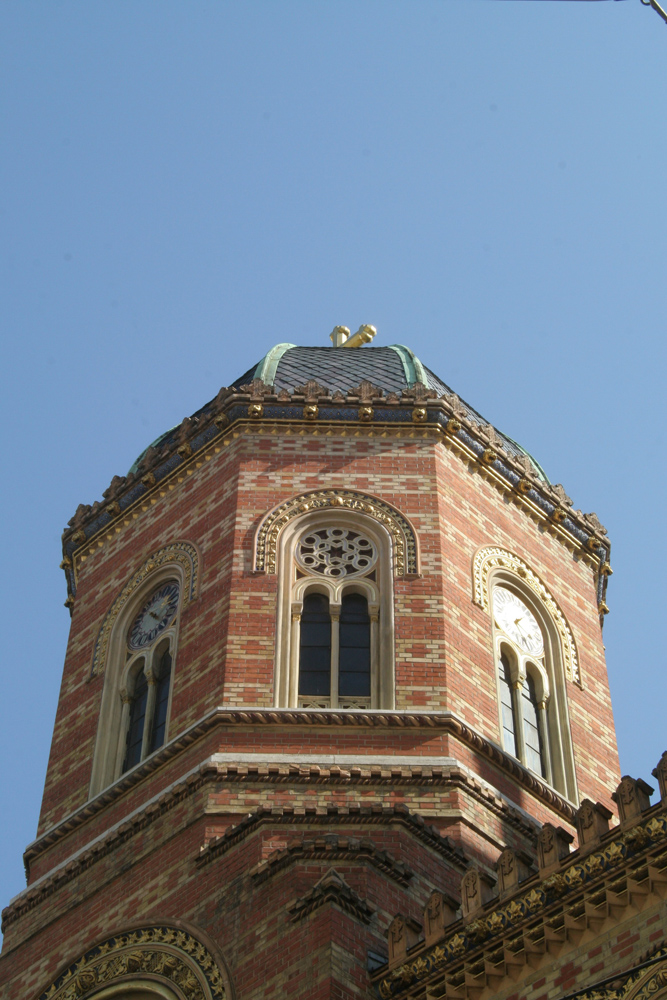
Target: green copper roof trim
266,369
153,444
412,366
533,460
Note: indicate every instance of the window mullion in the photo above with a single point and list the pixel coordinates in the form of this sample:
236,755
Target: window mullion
517,687
150,711
335,653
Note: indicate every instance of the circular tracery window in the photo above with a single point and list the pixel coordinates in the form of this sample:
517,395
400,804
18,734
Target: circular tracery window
336,552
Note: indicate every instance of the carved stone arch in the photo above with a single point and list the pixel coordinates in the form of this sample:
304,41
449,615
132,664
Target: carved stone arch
182,554
164,960
403,535
493,558
651,986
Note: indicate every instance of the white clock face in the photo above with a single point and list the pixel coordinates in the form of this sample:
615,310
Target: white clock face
517,621
157,613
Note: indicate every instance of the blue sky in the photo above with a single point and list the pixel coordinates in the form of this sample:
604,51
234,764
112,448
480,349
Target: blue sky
186,184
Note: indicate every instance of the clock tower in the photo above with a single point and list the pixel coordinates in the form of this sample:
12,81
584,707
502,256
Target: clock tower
334,719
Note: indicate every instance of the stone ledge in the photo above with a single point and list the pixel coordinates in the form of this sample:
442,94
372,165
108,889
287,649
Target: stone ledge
445,721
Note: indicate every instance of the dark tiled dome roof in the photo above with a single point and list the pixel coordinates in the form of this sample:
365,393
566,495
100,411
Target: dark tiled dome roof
391,369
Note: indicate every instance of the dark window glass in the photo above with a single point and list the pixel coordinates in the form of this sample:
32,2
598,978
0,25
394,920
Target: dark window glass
135,729
163,681
354,671
315,652
531,729
507,706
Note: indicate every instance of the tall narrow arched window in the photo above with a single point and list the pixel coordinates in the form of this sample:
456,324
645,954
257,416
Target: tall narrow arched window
532,694
136,700
315,653
162,692
147,685
508,715
134,739
335,652
532,739
354,644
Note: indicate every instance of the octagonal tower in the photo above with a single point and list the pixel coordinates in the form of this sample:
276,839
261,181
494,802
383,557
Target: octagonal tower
335,639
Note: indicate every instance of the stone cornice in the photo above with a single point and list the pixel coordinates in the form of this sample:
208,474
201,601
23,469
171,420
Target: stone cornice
585,889
443,721
414,414
329,848
195,780
375,815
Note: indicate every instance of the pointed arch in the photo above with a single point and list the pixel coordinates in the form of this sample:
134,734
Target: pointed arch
182,554
491,558
161,960
403,535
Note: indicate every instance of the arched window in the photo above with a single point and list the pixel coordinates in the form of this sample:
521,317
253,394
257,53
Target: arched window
335,621
335,653
136,700
354,657
315,657
532,693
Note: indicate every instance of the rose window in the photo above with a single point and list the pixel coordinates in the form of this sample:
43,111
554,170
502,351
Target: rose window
336,552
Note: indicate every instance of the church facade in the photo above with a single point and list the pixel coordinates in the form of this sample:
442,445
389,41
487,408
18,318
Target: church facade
335,718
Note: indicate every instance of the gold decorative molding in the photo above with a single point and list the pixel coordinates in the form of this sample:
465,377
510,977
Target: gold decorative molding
404,537
490,558
182,554
163,954
534,914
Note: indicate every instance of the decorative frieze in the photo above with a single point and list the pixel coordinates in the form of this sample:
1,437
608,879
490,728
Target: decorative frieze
545,910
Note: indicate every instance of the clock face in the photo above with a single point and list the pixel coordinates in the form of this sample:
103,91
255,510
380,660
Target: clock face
157,613
517,621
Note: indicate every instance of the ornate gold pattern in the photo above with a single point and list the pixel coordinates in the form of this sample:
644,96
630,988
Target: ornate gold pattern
183,554
400,529
165,954
552,892
491,558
